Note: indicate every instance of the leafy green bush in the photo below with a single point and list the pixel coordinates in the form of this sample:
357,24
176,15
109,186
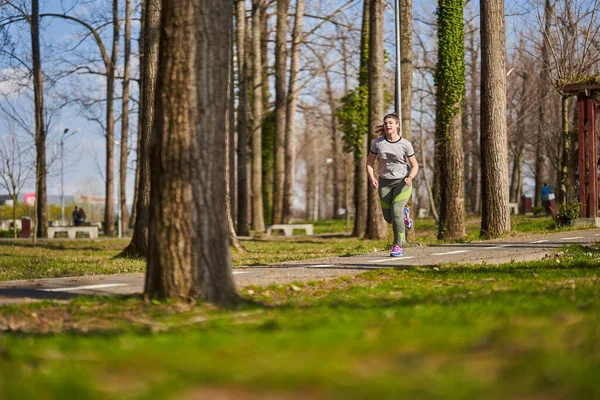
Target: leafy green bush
566,214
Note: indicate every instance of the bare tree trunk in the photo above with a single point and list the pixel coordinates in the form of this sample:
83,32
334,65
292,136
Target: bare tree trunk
376,226
471,127
540,174
258,223
109,207
40,130
495,220
138,247
360,177
230,153
564,160
213,32
406,73
140,81
336,185
423,168
516,182
174,250
125,122
188,225
290,131
242,127
280,109
231,144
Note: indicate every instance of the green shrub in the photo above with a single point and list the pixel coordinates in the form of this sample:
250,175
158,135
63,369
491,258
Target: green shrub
565,214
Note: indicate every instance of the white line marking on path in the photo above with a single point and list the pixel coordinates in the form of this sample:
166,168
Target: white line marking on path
540,241
101,286
571,238
596,234
240,272
320,266
497,247
392,259
450,252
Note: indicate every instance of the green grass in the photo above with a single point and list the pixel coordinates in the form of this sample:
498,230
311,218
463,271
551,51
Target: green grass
529,330
52,259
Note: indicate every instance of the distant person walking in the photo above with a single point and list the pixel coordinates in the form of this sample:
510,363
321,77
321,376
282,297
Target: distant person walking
398,168
547,198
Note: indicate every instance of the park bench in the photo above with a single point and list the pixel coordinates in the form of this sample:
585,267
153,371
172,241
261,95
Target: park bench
288,229
72,231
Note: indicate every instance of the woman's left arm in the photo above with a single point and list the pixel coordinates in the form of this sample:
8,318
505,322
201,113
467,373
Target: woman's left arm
414,169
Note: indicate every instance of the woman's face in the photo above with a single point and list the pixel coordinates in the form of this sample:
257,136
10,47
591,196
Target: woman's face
390,125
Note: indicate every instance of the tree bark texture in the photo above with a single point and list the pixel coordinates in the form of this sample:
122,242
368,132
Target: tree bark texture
242,125
138,247
258,223
360,160
450,84
41,222
406,73
173,230
376,226
290,119
540,164
125,121
140,83
213,38
564,160
280,108
109,207
495,220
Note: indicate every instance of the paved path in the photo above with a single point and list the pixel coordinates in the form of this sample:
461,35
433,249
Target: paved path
530,248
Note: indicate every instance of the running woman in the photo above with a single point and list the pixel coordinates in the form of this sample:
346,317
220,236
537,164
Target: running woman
398,168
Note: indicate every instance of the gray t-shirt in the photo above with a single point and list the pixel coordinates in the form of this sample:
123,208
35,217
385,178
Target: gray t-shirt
393,157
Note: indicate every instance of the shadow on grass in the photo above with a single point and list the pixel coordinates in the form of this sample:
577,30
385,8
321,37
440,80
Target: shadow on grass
52,246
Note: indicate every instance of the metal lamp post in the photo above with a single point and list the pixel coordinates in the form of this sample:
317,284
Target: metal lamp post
62,172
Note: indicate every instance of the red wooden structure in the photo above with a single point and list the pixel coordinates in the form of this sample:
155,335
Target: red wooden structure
588,109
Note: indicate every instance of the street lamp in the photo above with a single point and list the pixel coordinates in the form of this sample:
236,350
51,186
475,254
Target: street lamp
65,135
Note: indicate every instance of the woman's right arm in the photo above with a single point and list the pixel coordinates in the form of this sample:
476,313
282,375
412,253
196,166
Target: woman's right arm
370,173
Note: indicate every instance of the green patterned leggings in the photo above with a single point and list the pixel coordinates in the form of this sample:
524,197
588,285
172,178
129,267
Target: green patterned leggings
393,195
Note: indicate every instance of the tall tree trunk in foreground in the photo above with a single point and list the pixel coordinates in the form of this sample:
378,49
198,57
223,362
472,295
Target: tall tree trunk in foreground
258,221
495,218
376,226
138,247
290,119
450,82
189,237
213,33
242,126
173,221
41,221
